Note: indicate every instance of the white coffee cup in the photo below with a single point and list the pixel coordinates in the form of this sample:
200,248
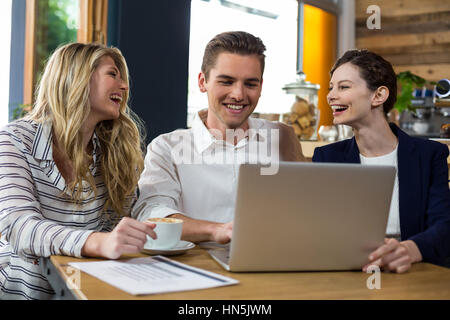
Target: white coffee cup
168,233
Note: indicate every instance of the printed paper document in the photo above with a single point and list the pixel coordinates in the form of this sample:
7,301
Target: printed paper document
152,275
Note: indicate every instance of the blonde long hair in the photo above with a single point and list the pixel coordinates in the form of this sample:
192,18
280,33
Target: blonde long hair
63,98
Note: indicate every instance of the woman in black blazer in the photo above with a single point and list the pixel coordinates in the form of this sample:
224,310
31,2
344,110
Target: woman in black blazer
363,89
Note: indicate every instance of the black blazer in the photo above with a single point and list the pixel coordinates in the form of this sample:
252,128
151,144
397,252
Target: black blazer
424,196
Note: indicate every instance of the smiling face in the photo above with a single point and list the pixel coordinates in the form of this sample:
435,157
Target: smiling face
349,96
233,88
107,90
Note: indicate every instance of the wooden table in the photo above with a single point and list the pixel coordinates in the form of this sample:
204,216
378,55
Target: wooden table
423,281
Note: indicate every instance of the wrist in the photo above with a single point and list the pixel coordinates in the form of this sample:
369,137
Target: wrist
212,229
197,230
92,246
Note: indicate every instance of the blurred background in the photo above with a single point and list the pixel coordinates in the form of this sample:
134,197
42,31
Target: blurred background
163,42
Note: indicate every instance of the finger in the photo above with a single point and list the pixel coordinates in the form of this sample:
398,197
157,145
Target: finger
364,268
401,264
141,236
399,252
152,234
139,229
389,246
377,262
120,238
135,224
391,256
403,268
129,248
135,242
152,225
148,229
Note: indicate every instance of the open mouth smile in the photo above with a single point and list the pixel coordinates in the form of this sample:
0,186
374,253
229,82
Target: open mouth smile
338,108
117,99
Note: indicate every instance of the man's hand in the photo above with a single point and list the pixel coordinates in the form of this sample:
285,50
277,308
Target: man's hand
195,230
395,256
129,236
223,233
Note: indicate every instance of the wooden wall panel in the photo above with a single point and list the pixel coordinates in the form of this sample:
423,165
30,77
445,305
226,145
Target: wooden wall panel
405,40
395,8
435,71
414,35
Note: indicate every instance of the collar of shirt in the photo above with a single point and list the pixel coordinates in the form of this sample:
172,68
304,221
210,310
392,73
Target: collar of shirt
42,151
203,139
42,143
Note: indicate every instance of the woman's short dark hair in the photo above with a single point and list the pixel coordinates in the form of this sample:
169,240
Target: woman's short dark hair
238,42
375,70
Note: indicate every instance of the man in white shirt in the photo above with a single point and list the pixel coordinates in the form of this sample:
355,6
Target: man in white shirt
192,174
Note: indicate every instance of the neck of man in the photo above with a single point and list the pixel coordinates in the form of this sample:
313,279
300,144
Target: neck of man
221,131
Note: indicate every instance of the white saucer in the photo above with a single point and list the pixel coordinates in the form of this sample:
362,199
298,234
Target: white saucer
180,248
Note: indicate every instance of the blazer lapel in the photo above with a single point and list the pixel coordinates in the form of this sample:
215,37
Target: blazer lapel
409,180
352,152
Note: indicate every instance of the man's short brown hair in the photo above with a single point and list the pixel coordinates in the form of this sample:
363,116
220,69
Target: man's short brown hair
238,42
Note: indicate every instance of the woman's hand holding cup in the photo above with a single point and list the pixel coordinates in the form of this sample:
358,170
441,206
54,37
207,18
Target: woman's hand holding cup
128,237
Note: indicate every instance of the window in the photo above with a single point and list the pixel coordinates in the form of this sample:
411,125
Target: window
275,22
49,24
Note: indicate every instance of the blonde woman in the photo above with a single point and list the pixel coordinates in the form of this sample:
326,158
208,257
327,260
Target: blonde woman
69,170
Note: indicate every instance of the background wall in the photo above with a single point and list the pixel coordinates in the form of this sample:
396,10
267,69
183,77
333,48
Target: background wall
414,35
154,38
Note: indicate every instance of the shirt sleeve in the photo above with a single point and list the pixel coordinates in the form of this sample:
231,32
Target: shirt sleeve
159,185
290,146
22,224
434,243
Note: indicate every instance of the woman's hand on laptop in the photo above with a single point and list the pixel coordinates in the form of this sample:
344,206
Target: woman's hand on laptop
395,256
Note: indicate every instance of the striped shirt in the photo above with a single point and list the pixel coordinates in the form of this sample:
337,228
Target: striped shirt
37,216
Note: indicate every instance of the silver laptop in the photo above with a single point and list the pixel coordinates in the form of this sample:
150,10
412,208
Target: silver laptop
308,217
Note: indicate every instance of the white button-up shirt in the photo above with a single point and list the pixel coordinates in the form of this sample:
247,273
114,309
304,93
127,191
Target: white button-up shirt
191,172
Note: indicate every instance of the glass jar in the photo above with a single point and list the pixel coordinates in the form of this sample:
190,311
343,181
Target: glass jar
304,114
